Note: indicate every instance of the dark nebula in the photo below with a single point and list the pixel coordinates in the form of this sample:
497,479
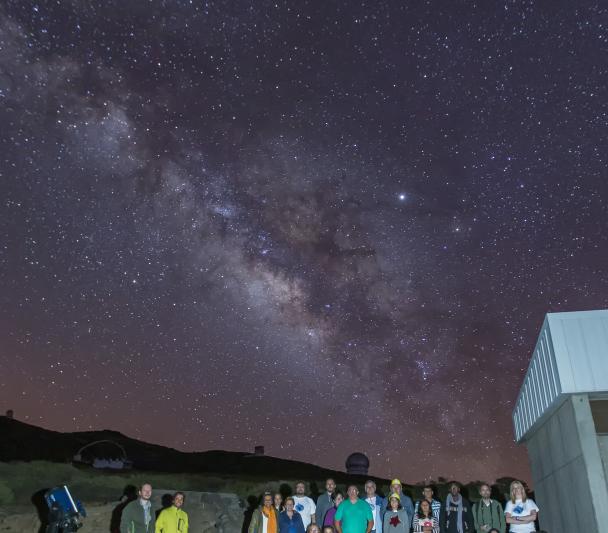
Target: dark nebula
319,226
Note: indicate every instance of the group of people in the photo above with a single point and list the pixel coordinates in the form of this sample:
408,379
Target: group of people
335,512
140,516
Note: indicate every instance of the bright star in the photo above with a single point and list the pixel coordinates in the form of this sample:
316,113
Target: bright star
402,196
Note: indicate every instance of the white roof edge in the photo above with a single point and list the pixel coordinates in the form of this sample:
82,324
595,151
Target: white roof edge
542,389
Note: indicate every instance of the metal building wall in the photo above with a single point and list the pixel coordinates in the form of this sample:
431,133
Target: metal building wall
571,356
581,349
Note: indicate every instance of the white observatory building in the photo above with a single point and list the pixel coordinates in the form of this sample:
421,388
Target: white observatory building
561,415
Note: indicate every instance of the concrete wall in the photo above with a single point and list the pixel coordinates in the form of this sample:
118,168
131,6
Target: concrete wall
602,441
567,470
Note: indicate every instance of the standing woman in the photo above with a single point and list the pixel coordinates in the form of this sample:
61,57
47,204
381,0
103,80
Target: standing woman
396,519
265,519
278,502
330,515
424,520
520,511
290,520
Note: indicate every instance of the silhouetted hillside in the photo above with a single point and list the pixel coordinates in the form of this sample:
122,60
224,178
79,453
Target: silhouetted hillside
25,442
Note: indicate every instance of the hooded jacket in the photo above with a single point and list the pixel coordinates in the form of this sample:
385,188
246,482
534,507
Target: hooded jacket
172,520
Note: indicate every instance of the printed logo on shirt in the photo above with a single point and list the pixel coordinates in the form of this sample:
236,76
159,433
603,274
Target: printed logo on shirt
518,510
299,507
394,521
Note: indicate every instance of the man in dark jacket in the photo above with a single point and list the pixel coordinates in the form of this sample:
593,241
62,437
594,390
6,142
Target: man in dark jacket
325,501
458,515
138,516
488,513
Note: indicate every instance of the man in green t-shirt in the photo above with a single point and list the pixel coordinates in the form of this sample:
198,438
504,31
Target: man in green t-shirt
354,515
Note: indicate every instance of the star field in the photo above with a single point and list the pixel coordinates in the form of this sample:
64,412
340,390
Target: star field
323,227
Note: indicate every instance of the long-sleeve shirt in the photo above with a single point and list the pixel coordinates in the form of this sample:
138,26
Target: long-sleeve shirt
437,508
450,517
137,517
291,525
420,523
406,502
172,520
396,522
324,504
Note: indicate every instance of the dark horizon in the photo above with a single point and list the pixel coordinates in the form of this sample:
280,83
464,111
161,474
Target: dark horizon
140,457
323,227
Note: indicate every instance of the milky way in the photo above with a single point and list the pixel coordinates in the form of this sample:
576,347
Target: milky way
322,227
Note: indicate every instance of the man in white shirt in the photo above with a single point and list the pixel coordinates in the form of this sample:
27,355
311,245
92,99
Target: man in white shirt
375,503
304,505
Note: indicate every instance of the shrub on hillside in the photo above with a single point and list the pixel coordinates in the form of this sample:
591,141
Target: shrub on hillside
6,494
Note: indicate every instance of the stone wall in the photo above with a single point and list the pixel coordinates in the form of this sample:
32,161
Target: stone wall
210,511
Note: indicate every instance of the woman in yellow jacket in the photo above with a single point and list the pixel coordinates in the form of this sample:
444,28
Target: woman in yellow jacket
173,519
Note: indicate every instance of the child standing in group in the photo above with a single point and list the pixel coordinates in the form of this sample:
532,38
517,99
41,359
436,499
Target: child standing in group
424,520
396,519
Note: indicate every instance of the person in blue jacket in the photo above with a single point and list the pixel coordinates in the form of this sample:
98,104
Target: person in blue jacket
290,520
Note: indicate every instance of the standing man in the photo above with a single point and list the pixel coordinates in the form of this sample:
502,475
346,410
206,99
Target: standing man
458,517
428,494
325,501
488,513
406,501
375,504
138,516
265,518
354,515
173,519
304,505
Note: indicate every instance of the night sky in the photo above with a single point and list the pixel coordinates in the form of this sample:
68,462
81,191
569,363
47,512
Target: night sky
322,227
